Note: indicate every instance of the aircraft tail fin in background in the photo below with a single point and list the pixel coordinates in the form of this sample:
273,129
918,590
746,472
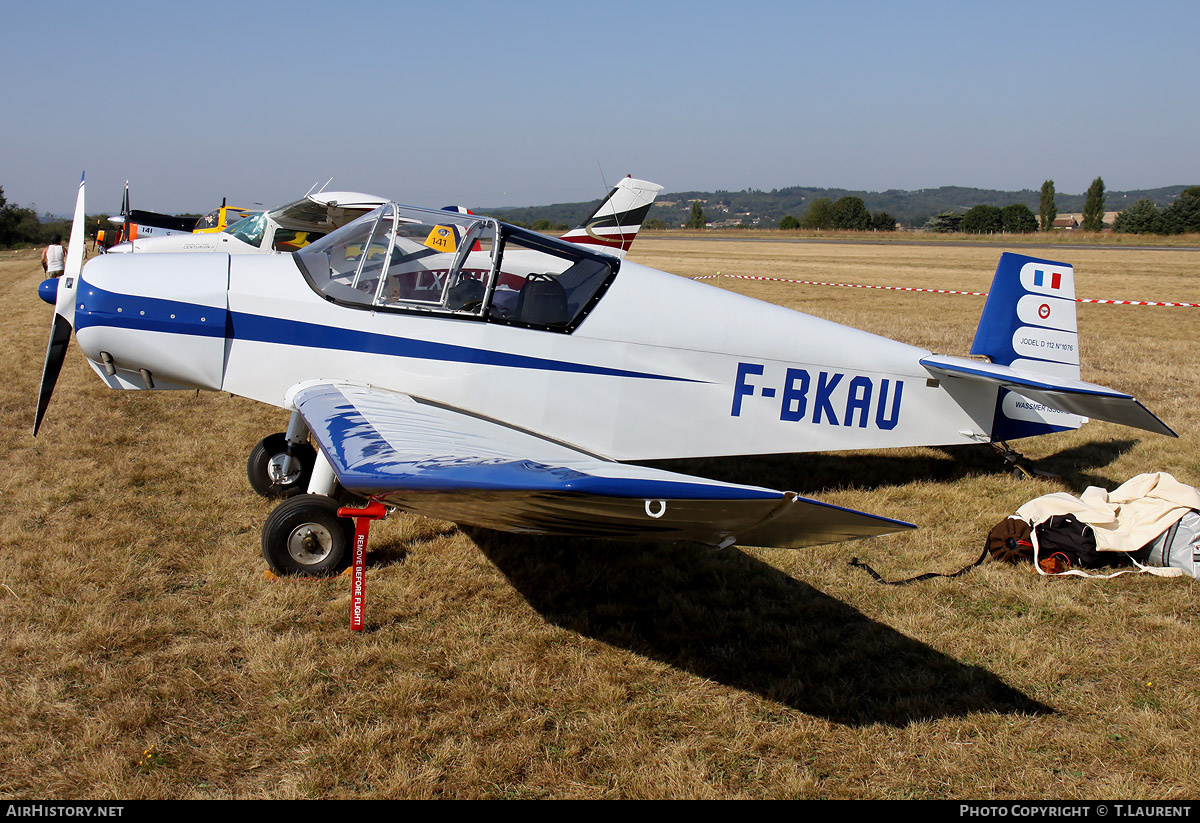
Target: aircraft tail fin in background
615,222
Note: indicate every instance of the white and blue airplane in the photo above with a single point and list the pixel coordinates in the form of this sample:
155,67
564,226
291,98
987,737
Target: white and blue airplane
454,366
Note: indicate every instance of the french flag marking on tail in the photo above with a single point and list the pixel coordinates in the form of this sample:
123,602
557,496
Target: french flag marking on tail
1054,281
1042,277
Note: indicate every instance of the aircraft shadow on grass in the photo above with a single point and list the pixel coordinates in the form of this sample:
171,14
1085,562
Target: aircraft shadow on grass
817,473
726,616
723,615
1080,464
386,553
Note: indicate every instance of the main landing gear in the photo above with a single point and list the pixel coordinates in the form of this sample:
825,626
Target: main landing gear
310,533
304,535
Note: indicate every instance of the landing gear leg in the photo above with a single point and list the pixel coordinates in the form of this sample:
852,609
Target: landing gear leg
1019,462
322,479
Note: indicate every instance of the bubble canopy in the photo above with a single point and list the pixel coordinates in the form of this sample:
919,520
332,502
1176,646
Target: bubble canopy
407,259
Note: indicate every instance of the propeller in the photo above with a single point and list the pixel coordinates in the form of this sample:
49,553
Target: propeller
62,290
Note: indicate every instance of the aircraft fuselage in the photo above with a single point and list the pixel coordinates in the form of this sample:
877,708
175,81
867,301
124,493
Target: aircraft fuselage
663,367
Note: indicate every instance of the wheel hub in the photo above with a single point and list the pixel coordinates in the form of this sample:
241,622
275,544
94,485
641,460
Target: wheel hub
309,543
277,468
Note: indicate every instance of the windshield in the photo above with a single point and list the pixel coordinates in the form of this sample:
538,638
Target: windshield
398,257
405,258
250,230
323,217
209,221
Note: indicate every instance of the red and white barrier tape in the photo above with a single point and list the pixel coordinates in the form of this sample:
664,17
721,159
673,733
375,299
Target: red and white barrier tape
932,291
1138,303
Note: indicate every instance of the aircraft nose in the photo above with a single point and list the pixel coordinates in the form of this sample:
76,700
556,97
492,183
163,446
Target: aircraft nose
164,314
48,290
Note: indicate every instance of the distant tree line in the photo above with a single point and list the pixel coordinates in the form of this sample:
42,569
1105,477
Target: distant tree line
767,208
1016,218
1182,216
20,226
1144,217
847,213
542,225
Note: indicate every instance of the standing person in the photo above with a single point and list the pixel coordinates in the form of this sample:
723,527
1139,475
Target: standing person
54,259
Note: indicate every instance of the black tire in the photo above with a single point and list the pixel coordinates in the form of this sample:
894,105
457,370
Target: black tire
260,459
304,535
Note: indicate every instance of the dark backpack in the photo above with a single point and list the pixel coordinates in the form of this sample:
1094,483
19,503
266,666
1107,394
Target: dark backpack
1063,535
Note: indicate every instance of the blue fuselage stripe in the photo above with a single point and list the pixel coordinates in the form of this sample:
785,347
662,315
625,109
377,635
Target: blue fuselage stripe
99,307
295,333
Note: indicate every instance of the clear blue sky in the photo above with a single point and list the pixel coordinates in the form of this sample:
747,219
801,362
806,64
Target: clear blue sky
522,103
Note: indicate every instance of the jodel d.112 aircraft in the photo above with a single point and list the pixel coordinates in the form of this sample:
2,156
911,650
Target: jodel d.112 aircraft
455,366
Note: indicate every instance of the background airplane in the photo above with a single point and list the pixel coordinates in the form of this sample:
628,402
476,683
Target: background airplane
136,223
221,218
285,228
455,366
611,226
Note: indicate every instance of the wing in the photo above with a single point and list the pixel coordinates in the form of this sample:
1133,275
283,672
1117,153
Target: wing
451,465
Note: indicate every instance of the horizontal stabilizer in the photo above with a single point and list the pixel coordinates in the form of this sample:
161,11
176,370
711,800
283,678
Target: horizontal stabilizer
451,465
1064,393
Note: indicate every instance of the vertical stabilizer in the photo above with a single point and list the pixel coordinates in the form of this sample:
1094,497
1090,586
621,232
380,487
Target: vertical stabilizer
1028,323
615,222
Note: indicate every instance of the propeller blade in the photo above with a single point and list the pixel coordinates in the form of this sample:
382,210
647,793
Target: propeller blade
69,282
64,310
56,352
77,243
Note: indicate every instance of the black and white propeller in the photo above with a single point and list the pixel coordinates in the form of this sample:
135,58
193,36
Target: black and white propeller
61,292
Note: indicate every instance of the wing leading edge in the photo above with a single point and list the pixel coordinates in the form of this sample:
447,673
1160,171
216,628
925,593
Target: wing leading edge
451,465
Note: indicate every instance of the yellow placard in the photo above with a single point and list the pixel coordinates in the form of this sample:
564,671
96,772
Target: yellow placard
442,238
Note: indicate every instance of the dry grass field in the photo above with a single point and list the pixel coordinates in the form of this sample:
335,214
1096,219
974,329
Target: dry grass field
144,654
